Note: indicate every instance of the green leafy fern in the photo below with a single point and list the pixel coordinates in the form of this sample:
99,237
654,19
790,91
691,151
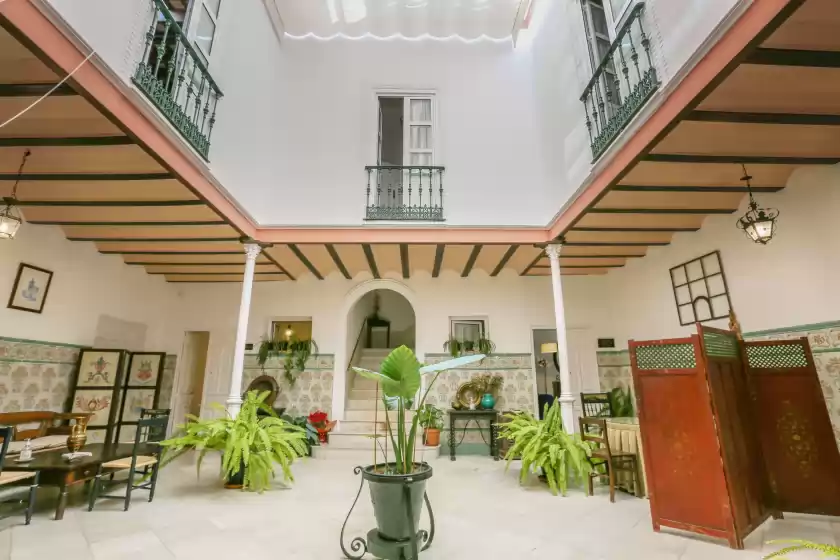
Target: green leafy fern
827,550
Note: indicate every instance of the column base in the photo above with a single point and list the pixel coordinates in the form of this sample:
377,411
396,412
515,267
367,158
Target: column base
567,412
233,405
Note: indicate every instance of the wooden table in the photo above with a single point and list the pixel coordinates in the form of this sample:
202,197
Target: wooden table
624,435
55,471
474,416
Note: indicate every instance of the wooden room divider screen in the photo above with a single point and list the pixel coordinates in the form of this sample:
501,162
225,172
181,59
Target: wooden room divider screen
701,410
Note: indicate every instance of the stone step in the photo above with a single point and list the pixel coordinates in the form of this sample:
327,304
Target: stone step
367,427
365,457
364,394
369,415
364,383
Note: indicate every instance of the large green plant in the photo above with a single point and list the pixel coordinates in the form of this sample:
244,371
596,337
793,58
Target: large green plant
400,379
457,347
544,444
621,402
251,441
297,352
827,550
431,417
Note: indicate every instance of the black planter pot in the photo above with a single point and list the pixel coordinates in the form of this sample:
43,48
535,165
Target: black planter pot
390,494
236,481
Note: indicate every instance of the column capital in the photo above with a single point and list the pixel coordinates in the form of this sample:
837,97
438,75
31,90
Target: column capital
252,251
553,251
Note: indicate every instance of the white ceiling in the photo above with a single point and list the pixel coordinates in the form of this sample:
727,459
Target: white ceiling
468,19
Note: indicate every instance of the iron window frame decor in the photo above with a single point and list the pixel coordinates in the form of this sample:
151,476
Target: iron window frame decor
708,297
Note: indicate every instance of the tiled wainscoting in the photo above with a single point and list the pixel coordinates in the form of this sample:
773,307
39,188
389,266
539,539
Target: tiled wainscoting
518,392
824,339
35,375
614,369
313,388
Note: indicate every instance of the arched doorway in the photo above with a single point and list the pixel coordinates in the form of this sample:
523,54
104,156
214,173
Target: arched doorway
378,315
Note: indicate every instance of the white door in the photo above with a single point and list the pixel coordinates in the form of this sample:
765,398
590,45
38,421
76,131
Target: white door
190,381
583,364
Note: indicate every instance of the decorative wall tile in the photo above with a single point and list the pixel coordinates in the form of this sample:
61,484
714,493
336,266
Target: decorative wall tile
313,386
614,370
35,375
824,340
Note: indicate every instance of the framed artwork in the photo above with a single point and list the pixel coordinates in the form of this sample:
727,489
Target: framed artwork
99,376
700,289
29,292
140,390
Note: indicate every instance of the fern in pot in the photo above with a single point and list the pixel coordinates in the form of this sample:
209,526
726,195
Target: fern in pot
399,486
251,444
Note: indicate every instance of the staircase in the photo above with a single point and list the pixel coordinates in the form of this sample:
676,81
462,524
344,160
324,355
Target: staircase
352,440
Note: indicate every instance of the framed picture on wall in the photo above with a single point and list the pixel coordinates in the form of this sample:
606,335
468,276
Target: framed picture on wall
141,390
29,291
99,376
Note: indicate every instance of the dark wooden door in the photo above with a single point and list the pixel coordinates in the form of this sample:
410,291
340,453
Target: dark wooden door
686,482
800,452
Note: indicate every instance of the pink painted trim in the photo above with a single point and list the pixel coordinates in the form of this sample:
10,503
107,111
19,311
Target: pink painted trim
50,39
406,235
756,18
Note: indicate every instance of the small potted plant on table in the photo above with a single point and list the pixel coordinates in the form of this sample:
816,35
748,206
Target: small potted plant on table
431,419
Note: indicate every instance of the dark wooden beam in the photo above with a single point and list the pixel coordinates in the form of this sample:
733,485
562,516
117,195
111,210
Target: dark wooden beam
406,268
636,229
471,261
533,263
155,239
110,203
337,260
277,264
772,160
299,254
87,177
438,260
692,189
505,258
66,142
34,90
795,57
616,243
764,118
124,224
662,210
371,260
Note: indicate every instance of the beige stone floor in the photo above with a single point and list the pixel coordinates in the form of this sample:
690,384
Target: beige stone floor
481,513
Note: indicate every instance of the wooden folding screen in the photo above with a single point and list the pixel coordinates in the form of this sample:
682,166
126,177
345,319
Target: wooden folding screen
799,449
687,485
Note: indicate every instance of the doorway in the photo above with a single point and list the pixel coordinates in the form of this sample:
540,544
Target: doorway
583,364
190,382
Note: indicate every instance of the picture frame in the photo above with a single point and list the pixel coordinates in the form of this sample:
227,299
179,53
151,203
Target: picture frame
96,389
141,389
30,288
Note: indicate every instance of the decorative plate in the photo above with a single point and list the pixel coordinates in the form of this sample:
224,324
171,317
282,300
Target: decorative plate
468,395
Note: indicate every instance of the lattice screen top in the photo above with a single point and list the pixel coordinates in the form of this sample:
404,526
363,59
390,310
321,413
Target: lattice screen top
720,345
700,289
786,355
666,356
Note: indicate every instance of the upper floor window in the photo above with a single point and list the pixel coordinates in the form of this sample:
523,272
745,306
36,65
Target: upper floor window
406,130
203,21
602,20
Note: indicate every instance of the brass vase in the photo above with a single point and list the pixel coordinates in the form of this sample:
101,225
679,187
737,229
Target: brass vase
78,436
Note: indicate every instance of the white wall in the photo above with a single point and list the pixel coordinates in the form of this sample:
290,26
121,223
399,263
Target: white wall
792,281
91,296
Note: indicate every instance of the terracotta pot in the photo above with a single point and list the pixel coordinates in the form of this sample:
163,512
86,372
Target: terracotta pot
431,437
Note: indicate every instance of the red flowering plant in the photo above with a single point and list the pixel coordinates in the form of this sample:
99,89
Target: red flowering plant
321,421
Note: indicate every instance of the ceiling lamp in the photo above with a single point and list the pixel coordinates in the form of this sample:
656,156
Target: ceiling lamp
758,223
10,218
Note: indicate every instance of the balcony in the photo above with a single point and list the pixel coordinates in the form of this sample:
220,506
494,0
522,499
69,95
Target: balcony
623,82
404,193
175,79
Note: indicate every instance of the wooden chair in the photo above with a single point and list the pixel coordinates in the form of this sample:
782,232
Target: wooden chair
157,435
147,428
619,461
16,486
596,405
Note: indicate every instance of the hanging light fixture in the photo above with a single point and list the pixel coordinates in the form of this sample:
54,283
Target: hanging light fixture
10,218
758,223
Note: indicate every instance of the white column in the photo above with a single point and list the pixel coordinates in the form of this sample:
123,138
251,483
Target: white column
234,401
567,399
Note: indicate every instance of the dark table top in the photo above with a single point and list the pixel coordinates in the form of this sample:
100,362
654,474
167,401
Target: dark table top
467,412
52,460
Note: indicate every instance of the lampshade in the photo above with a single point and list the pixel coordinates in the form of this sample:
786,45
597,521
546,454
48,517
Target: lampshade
9,221
548,347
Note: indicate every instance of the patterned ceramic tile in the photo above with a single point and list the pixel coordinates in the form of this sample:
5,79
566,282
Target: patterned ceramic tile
614,370
312,389
35,375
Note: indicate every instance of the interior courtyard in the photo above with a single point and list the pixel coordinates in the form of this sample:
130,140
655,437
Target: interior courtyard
419,279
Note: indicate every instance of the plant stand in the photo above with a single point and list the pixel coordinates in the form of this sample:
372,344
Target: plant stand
387,549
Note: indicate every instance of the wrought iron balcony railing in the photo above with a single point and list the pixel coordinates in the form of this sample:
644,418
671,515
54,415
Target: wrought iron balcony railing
175,79
405,193
623,82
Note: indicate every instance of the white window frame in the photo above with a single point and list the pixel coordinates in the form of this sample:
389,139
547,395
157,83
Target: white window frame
194,16
616,19
407,95
483,322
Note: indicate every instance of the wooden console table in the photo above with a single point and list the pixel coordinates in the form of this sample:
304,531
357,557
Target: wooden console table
474,416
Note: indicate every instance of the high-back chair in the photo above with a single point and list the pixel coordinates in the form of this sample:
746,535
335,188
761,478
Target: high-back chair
145,455
158,435
19,486
595,430
596,405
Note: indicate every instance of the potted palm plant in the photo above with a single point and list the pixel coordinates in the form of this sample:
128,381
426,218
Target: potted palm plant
250,444
397,488
431,419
